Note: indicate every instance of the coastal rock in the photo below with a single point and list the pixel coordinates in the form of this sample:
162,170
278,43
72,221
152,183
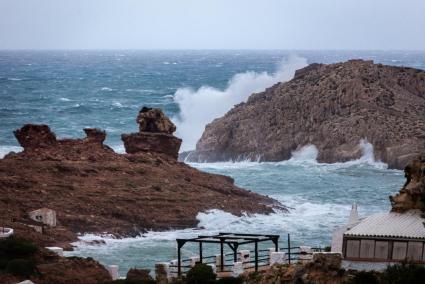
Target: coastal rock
95,190
154,120
155,134
35,136
412,195
152,142
95,135
331,106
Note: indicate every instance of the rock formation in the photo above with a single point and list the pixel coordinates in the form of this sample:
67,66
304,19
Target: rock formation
93,189
412,195
331,106
155,134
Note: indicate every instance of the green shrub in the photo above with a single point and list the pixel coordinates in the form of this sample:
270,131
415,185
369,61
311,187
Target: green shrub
200,274
230,280
14,247
404,273
365,277
21,267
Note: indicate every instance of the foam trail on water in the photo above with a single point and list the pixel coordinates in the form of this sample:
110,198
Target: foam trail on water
199,107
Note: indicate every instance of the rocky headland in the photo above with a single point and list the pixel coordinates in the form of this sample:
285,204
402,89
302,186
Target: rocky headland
95,190
330,106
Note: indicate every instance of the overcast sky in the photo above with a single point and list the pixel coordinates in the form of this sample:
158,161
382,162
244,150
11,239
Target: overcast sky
212,24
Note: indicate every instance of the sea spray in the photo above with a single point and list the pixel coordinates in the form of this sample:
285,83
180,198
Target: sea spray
199,107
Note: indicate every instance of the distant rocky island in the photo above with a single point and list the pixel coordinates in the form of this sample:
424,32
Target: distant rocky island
330,106
92,189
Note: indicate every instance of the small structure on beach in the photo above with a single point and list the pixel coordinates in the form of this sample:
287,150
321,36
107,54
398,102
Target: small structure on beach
44,215
387,237
381,239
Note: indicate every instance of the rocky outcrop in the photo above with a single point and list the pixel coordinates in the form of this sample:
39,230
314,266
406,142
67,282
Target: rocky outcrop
95,190
35,136
331,106
412,195
155,134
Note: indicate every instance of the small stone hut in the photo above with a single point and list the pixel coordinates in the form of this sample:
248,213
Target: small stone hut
44,215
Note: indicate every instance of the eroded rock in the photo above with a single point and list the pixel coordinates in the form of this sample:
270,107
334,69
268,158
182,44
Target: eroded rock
412,195
35,136
155,134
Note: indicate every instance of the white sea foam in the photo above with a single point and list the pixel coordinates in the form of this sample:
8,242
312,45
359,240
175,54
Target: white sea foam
199,107
305,153
64,99
106,89
4,150
14,79
117,104
119,148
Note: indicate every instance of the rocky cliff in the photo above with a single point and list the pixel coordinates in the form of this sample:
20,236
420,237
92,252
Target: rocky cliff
93,189
331,106
412,195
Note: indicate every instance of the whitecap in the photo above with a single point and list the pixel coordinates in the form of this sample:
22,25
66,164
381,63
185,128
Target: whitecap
168,96
64,99
107,89
14,79
117,104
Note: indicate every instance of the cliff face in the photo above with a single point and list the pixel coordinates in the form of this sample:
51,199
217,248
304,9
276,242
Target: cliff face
93,189
412,195
331,106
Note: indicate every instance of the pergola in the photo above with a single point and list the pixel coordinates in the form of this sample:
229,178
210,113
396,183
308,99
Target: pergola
233,240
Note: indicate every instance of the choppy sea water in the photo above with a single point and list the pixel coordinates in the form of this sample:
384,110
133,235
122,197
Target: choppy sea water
70,90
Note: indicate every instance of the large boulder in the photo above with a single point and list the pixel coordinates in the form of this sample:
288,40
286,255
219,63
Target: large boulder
154,120
331,106
32,136
155,134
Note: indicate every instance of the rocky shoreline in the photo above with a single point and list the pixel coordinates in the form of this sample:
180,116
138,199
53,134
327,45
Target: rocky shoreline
95,190
330,106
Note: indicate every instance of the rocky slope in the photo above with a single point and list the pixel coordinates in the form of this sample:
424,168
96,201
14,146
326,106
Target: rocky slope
93,189
412,195
331,106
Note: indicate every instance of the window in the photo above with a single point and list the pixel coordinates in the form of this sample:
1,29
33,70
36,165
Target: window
399,250
381,250
367,248
414,251
353,248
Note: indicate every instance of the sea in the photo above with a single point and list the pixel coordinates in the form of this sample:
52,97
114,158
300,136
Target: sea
71,90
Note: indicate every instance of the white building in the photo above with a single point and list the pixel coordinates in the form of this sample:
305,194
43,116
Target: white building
382,239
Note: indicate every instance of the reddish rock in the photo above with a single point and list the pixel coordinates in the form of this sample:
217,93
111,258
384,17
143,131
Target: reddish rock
155,134
331,106
35,136
152,142
95,135
154,120
95,190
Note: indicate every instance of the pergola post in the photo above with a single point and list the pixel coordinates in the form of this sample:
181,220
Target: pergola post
221,255
289,249
200,252
180,244
256,255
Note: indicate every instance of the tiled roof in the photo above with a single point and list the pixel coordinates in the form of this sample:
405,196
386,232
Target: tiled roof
402,225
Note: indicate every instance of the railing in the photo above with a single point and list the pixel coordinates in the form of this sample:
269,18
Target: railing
293,254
